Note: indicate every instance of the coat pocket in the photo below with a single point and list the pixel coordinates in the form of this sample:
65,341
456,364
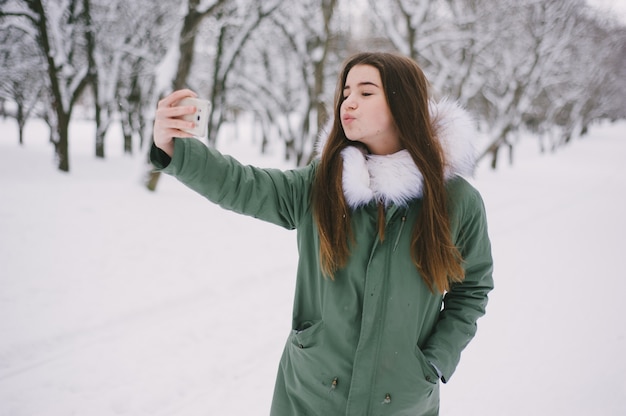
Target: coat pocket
307,335
308,374
430,375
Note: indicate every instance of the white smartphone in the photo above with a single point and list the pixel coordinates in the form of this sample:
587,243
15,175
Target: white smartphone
200,117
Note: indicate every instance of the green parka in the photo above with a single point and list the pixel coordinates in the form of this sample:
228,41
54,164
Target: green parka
370,341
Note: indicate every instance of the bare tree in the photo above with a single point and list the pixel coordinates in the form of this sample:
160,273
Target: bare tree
59,31
127,42
525,60
586,85
233,24
234,30
512,63
21,74
174,69
286,81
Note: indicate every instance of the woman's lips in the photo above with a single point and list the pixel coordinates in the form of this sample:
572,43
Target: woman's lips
348,118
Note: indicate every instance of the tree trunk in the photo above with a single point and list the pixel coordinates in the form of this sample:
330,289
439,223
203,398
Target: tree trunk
93,80
153,179
100,131
494,157
21,134
61,109
20,122
62,116
61,145
127,132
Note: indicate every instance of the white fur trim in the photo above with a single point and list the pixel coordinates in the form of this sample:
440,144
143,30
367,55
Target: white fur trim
356,177
394,179
455,129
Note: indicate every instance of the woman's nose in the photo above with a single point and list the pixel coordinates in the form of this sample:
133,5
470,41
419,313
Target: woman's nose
350,103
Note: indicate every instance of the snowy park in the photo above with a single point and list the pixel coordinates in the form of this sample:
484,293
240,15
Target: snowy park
118,301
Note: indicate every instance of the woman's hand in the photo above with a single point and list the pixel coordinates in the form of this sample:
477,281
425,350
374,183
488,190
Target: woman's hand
167,122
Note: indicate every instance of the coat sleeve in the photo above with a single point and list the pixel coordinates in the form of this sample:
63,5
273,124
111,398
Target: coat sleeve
466,301
279,197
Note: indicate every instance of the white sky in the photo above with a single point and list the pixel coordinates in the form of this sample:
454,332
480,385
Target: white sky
614,6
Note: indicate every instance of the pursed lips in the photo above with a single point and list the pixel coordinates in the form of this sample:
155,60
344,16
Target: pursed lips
347,118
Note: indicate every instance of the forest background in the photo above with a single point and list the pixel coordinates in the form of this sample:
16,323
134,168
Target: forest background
551,68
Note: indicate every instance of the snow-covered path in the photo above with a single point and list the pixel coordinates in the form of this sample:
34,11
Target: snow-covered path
552,342
116,301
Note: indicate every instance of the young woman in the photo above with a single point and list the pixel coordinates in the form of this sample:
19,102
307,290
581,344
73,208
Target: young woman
394,258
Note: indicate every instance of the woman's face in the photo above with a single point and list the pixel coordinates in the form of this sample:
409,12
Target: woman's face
365,114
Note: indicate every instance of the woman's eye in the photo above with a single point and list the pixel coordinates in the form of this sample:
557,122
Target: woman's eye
367,94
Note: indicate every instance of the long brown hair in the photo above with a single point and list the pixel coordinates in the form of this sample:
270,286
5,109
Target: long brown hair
432,249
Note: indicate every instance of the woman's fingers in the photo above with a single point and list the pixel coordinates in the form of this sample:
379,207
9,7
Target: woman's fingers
169,114
176,111
172,99
168,122
171,117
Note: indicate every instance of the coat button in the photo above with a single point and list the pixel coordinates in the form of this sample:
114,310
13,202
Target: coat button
429,379
387,399
300,346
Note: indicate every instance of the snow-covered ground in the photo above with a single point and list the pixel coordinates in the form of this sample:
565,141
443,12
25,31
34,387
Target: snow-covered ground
118,301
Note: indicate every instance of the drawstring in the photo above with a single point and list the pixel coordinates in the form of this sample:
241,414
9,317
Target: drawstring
381,221
399,232
381,225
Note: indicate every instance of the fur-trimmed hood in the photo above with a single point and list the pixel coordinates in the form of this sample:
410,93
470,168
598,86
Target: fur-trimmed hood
394,179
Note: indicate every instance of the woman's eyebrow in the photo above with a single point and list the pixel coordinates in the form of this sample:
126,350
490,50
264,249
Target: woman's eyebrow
363,83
